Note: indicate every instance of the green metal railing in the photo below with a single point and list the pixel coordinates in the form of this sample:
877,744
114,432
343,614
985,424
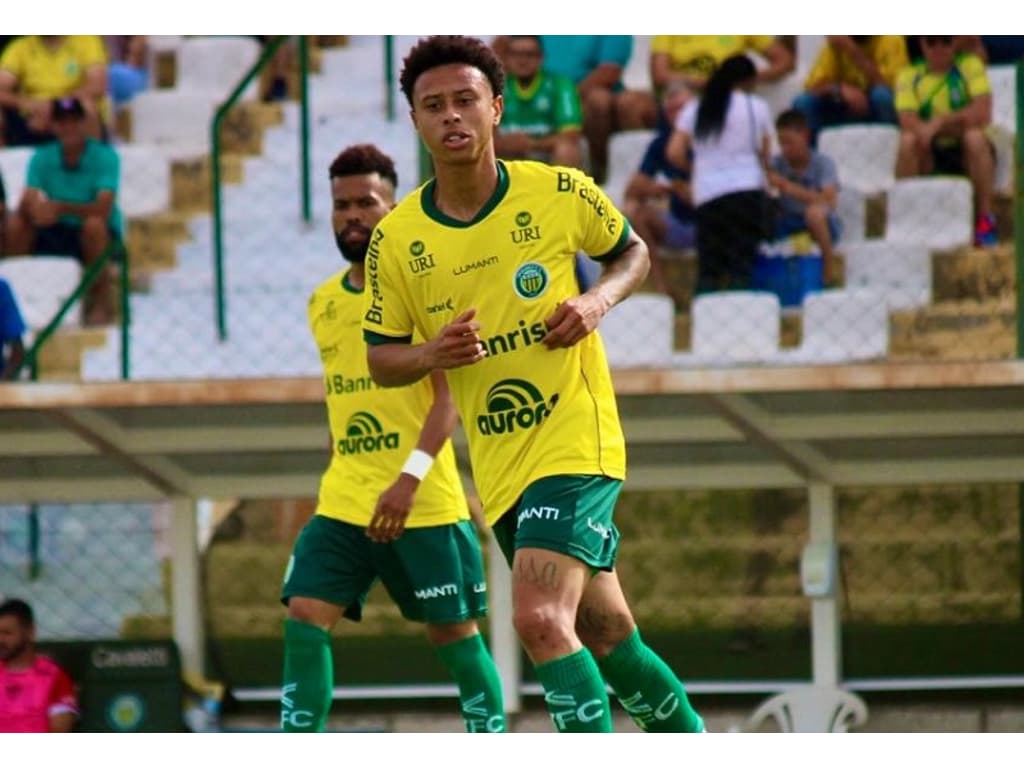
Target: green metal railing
216,154
92,273
1018,243
389,76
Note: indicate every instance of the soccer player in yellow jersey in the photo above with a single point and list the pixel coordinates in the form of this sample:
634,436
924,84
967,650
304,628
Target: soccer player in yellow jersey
391,504
479,264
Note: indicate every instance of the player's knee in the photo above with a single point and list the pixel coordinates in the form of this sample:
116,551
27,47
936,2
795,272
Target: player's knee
598,100
602,633
542,626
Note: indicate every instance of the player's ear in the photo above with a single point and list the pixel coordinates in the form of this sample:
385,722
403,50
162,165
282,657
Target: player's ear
499,109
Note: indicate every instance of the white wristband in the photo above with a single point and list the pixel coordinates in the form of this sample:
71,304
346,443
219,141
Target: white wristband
418,464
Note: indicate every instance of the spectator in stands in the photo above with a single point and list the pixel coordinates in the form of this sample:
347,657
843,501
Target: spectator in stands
69,206
542,118
129,71
729,132
945,106
658,198
693,58
12,329
36,69
3,217
852,80
595,63
808,189
36,695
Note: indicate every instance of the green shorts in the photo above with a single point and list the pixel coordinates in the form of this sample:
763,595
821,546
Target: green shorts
571,514
435,575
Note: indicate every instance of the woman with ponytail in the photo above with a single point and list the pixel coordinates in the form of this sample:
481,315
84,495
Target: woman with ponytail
726,136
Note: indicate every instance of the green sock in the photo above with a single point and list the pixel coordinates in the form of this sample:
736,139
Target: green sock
480,697
575,694
308,678
648,690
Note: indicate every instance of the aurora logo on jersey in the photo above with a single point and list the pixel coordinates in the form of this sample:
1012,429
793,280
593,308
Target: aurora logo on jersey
514,404
530,280
364,434
525,233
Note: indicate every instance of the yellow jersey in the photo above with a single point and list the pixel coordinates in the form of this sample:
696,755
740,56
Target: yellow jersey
528,411
930,93
700,55
888,52
373,429
50,73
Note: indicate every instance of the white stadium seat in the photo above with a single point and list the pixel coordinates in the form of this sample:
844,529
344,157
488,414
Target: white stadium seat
841,326
640,331
40,285
732,328
900,271
865,155
934,211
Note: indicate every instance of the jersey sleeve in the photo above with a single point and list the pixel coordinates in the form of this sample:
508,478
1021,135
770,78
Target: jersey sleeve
386,315
63,698
91,50
13,58
568,113
601,228
824,69
973,70
906,94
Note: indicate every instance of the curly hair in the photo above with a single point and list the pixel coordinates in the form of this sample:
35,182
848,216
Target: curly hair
20,610
364,158
438,50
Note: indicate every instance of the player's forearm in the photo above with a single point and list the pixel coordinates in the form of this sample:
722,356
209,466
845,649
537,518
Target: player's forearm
622,275
396,365
437,427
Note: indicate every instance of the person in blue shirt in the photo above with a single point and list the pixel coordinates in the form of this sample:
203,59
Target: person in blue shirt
69,205
12,328
658,200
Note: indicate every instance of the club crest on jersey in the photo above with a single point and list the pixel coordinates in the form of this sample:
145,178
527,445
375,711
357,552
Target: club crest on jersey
525,233
364,434
514,404
530,280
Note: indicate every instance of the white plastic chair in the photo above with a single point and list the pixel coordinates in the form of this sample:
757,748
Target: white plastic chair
1003,81
216,64
865,155
852,211
14,169
841,327
901,271
811,709
639,332
935,211
732,328
625,151
145,186
176,121
40,285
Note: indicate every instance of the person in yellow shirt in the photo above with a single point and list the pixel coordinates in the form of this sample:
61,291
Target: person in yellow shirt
474,274
391,504
852,80
692,59
36,69
944,103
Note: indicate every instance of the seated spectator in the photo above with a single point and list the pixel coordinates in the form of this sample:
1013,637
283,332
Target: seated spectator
35,69
129,73
658,199
729,131
945,106
693,58
808,189
595,63
36,695
542,118
12,329
69,205
852,80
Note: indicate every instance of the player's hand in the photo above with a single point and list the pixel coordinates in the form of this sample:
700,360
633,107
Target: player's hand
458,344
572,320
393,507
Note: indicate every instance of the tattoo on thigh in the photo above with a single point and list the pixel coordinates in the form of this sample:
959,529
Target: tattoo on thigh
546,575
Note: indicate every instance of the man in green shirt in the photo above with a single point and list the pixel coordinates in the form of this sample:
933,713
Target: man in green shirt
68,207
543,119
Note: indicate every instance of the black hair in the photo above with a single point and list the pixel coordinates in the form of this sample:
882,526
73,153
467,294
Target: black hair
19,609
364,158
715,100
438,50
793,119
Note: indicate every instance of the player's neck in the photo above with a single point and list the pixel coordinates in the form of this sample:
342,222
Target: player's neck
357,276
23,660
461,191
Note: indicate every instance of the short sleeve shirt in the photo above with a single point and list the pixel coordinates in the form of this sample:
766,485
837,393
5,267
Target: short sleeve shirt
549,105
576,56
98,169
819,173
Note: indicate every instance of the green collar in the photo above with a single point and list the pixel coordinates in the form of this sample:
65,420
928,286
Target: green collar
347,284
429,208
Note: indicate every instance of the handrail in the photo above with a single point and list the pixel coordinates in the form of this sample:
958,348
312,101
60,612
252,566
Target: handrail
389,76
215,160
92,273
1018,205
